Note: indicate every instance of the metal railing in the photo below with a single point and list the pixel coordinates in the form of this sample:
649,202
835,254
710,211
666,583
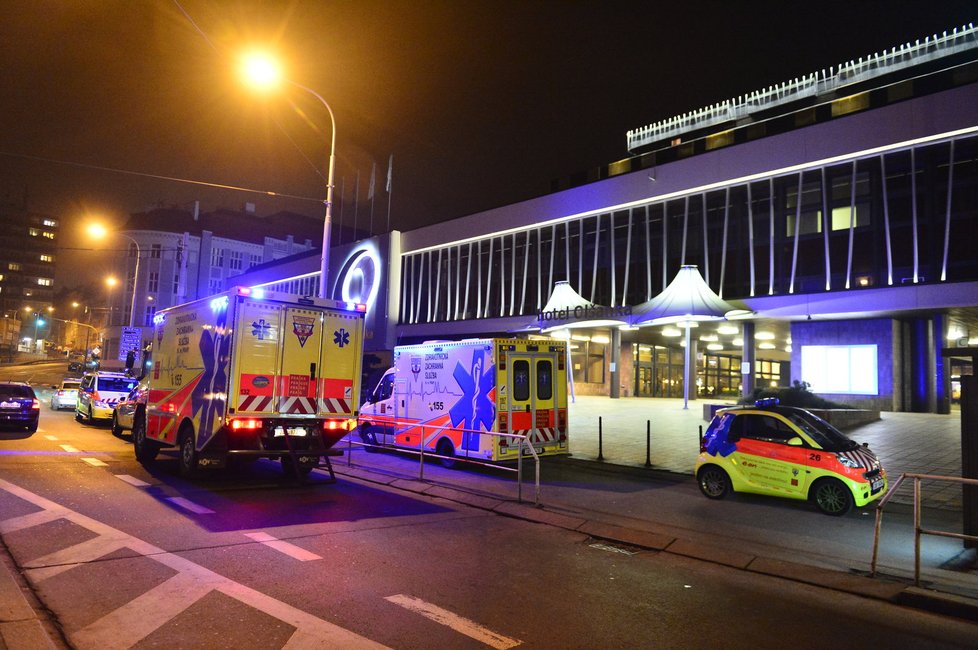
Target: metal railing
811,85
917,529
435,433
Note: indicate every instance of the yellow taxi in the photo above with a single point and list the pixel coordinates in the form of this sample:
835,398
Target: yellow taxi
788,452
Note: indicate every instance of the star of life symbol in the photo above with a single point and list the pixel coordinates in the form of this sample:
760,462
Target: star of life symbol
260,329
341,337
302,328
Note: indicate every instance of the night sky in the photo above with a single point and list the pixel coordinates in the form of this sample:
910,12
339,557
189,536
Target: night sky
481,103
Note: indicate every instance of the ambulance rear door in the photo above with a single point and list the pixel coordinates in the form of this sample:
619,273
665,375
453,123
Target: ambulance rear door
533,395
339,362
301,365
256,359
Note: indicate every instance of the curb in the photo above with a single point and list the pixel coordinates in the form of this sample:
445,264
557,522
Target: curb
24,625
896,592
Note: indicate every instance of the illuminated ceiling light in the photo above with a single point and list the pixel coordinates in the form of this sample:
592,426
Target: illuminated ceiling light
766,346
682,343
561,334
604,340
739,342
764,336
580,337
787,348
715,346
728,330
709,338
671,331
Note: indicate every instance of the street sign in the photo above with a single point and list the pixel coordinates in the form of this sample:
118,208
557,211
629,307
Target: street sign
130,339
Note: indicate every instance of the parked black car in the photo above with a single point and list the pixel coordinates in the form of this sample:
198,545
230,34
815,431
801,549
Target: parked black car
19,406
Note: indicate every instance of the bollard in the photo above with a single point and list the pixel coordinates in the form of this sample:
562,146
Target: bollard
600,455
648,443
701,436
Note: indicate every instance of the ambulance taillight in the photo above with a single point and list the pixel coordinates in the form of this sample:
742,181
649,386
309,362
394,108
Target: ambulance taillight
245,424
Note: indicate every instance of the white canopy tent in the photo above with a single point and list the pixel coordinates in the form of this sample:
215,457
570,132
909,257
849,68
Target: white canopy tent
686,301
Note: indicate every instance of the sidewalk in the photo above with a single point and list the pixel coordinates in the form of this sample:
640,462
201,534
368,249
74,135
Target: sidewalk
919,443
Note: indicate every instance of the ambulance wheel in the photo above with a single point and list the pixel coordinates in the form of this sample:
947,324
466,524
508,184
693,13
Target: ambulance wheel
446,450
189,463
145,450
832,497
713,481
369,438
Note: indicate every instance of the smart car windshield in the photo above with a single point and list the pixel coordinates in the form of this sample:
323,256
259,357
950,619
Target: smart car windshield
821,432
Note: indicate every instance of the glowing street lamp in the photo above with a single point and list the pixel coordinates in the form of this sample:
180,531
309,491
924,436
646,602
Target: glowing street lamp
98,231
263,72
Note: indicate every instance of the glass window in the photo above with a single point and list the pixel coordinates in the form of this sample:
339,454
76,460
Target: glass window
521,381
545,388
155,251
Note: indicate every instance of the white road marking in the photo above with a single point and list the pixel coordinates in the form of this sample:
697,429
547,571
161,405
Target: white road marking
95,462
132,480
69,449
51,437
133,622
291,550
454,621
187,504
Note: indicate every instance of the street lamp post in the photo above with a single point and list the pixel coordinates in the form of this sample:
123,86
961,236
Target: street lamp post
99,231
262,71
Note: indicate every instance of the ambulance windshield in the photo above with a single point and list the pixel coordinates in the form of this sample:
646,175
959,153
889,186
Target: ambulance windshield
821,432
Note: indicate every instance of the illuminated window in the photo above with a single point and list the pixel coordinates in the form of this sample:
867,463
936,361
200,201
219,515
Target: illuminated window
50,223
47,234
841,369
45,282
47,258
13,266
33,232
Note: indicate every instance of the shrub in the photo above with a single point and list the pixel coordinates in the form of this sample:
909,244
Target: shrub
795,395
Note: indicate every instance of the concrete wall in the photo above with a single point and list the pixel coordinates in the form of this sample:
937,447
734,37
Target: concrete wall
878,331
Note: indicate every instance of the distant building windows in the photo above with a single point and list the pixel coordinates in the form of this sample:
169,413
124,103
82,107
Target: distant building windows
33,232
47,234
236,261
45,282
217,257
153,286
47,258
150,313
176,283
13,266
215,286
50,223
155,251
255,260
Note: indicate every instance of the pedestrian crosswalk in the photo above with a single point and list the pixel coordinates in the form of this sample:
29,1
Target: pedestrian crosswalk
190,583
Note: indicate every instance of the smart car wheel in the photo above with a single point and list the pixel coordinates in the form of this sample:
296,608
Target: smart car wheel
116,429
832,497
90,417
713,481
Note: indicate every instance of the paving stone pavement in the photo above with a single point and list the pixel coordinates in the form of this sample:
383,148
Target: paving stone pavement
919,443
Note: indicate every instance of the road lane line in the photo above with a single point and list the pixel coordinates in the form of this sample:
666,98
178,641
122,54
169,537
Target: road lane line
454,621
291,550
95,462
69,449
189,505
131,480
51,437
311,632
